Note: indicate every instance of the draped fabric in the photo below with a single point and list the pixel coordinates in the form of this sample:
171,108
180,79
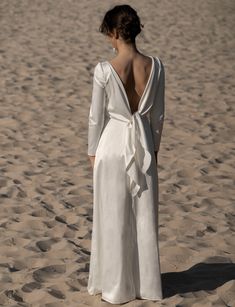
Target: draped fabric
125,262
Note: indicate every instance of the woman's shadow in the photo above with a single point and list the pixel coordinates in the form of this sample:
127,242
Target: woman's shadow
202,276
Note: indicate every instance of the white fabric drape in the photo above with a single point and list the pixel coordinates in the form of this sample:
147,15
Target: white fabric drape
124,262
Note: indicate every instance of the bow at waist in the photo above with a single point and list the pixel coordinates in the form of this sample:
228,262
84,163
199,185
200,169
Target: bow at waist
136,153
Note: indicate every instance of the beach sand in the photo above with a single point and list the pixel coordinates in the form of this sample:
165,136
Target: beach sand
48,52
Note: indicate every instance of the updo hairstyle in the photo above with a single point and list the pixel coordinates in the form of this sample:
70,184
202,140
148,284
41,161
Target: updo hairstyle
124,19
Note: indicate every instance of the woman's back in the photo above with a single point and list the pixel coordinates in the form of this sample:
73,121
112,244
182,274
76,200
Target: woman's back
134,73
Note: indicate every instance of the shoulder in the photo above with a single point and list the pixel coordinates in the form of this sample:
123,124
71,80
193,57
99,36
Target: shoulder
101,73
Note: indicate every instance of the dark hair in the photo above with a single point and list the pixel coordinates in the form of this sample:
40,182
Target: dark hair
124,19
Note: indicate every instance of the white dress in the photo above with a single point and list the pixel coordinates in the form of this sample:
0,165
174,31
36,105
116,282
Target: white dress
125,262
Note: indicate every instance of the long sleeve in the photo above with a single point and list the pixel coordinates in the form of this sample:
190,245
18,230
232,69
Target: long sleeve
158,109
97,110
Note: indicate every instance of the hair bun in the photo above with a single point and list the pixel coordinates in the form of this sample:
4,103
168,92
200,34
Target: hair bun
129,27
124,19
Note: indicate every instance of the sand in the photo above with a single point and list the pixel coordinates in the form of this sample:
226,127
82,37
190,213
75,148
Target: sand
48,51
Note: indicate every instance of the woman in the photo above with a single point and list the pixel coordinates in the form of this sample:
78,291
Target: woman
125,126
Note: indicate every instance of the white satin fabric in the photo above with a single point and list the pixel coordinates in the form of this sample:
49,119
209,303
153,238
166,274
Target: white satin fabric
125,262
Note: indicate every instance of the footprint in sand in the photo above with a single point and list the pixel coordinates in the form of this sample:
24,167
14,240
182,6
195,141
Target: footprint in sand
46,245
56,293
49,272
29,287
13,294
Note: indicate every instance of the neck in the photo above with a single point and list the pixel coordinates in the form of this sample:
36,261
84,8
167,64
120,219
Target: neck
127,49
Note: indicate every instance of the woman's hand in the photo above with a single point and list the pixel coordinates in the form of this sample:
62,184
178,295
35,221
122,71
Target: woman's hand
92,159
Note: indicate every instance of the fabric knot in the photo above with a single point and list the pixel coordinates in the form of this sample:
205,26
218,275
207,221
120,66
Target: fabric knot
136,166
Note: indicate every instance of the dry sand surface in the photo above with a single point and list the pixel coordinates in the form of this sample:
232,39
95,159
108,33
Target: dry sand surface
48,51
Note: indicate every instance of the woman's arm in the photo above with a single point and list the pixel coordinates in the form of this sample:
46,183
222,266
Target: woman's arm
97,112
157,112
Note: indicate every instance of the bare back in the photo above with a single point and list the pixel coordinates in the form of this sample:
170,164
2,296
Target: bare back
134,74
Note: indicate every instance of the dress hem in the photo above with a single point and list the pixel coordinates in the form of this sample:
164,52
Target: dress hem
130,299
124,301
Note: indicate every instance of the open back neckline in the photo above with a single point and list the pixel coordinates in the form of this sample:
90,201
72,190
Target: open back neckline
123,88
